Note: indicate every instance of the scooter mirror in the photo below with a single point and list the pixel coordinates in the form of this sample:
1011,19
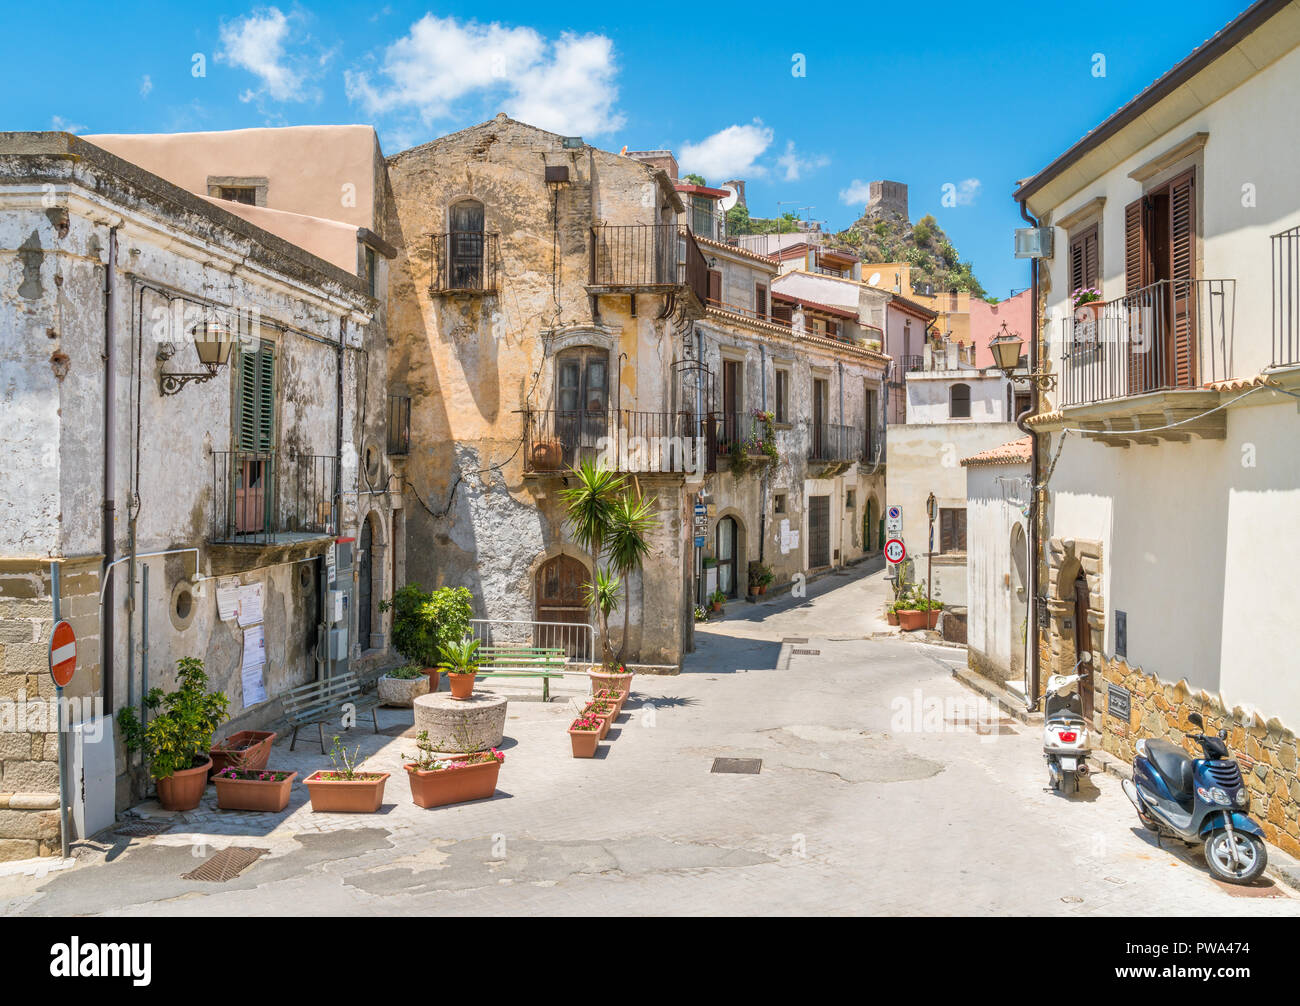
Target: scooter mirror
1195,720
1223,733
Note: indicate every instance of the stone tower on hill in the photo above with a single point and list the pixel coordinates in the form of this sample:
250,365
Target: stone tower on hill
887,199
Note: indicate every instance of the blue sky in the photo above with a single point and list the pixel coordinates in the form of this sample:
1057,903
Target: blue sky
973,96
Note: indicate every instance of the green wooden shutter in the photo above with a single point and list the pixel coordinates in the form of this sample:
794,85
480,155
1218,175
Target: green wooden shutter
256,409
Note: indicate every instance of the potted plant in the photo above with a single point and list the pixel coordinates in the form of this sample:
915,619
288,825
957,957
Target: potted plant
176,739
548,455
249,749
891,613
423,623
755,572
401,686
438,779
717,599
600,709
701,613
584,735
255,789
615,696
460,661
1088,304
342,789
611,677
933,607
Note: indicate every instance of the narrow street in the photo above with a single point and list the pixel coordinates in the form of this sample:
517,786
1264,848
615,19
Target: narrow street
884,789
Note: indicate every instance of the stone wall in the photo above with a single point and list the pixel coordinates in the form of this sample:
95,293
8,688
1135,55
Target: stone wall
1265,748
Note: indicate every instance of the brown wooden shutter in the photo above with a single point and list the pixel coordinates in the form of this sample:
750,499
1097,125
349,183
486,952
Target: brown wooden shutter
1182,254
1135,277
1085,269
715,286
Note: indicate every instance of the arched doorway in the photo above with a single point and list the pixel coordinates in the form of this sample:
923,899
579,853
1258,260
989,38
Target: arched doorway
561,597
365,591
1019,598
1083,641
726,549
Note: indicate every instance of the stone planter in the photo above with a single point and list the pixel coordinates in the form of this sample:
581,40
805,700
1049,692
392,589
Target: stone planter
474,724
184,789
362,795
249,749
453,785
402,692
264,795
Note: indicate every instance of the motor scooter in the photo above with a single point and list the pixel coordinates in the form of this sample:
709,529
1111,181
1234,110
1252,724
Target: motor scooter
1200,801
1066,741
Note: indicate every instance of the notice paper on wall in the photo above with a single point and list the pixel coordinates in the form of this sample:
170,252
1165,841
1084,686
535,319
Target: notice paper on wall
250,604
785,537
254,662
228,598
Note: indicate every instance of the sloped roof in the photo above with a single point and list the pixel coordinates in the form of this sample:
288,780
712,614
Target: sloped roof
1016,452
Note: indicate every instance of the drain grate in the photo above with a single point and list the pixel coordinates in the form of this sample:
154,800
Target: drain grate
737,766
226,864
807,653
142,827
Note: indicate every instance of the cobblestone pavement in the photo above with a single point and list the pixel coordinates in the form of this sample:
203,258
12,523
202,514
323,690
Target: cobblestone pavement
885,788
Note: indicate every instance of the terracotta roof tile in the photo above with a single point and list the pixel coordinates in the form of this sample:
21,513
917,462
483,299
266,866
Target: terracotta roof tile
1013,453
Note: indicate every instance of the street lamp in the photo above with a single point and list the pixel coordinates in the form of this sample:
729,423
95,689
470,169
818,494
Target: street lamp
213,341
1006,347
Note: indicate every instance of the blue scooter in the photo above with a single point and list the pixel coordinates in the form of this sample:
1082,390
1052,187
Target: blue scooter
1202,800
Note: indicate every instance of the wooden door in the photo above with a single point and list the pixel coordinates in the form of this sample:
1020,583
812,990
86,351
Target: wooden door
725,551
1083,643
819,531
365,570
561,597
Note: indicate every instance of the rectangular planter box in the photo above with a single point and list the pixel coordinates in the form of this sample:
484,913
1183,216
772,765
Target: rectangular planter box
253,794
255,754
453,785
340,796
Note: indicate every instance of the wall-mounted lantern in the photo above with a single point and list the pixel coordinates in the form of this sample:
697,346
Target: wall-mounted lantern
213,341
1006,348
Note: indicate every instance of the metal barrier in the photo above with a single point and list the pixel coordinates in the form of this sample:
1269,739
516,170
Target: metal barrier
577,639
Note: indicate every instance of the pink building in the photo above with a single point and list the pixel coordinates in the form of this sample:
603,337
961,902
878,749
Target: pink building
986,321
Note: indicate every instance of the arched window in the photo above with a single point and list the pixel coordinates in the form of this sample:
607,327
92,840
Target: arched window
959,401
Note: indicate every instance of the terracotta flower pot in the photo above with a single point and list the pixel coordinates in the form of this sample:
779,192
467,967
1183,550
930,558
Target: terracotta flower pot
432,673
548,456
909,620
608,695
611,679
462,685
604,721
254,794
584,742
892,617
346,796
184,789
716,605
247,749
932,618
402,692
453,785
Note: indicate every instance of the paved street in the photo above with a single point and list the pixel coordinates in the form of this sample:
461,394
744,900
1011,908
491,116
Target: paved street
885,788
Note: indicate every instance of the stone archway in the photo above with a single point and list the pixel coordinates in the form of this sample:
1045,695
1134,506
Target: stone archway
372,583
1019,598
1076,618
729,537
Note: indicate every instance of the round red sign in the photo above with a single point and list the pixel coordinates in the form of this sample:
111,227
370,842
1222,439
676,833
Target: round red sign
63,654
894,551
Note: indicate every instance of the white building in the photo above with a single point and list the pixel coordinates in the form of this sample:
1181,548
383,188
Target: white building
1171,539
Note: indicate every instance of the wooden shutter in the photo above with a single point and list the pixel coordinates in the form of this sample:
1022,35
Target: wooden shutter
256,408
760,300
1135,277
715,286
1182,271
1085,265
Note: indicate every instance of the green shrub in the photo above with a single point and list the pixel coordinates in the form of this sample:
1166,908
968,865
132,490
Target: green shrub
423,623
180,735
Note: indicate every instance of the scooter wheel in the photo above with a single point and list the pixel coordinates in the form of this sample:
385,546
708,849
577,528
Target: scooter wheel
1069,783
1251,852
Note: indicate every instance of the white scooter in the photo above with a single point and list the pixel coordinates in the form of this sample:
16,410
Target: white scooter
1066,743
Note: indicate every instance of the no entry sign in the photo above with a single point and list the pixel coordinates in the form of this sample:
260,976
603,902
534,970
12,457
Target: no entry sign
63,654
894,551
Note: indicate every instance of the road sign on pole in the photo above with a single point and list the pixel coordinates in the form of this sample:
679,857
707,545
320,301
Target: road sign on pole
895,551
63,654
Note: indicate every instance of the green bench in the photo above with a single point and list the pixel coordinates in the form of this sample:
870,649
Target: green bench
319,701
543,662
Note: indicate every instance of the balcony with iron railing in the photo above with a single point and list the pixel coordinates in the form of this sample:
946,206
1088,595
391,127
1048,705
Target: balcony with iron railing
399,425
272,497
1286,297
625,440
832,443
648,258
464,262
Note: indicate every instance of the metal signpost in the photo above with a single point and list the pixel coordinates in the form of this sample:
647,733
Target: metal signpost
63,665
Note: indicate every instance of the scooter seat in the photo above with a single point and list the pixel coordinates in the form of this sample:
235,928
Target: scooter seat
1172,764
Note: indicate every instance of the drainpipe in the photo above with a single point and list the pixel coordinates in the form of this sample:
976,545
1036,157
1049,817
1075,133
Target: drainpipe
338,431
108,507
144,641
762,494
1031,693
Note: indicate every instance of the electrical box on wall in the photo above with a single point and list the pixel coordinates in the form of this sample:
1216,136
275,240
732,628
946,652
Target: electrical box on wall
556,173
334,606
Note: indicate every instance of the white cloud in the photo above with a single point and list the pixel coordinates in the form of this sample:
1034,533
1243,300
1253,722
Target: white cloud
729,153
146,85
857,192
61,125
793,164
256,43
967,191
566,84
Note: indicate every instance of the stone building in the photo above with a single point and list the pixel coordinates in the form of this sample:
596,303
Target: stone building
1168,528
155,483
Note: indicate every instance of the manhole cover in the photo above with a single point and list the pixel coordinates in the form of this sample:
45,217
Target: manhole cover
226,864
807,653
795,639
141,827
737,766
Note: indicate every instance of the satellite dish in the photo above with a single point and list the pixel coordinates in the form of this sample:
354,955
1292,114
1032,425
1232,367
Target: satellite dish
874,280
731,198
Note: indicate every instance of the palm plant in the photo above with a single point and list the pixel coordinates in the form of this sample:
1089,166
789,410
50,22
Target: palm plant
632,520
461,656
